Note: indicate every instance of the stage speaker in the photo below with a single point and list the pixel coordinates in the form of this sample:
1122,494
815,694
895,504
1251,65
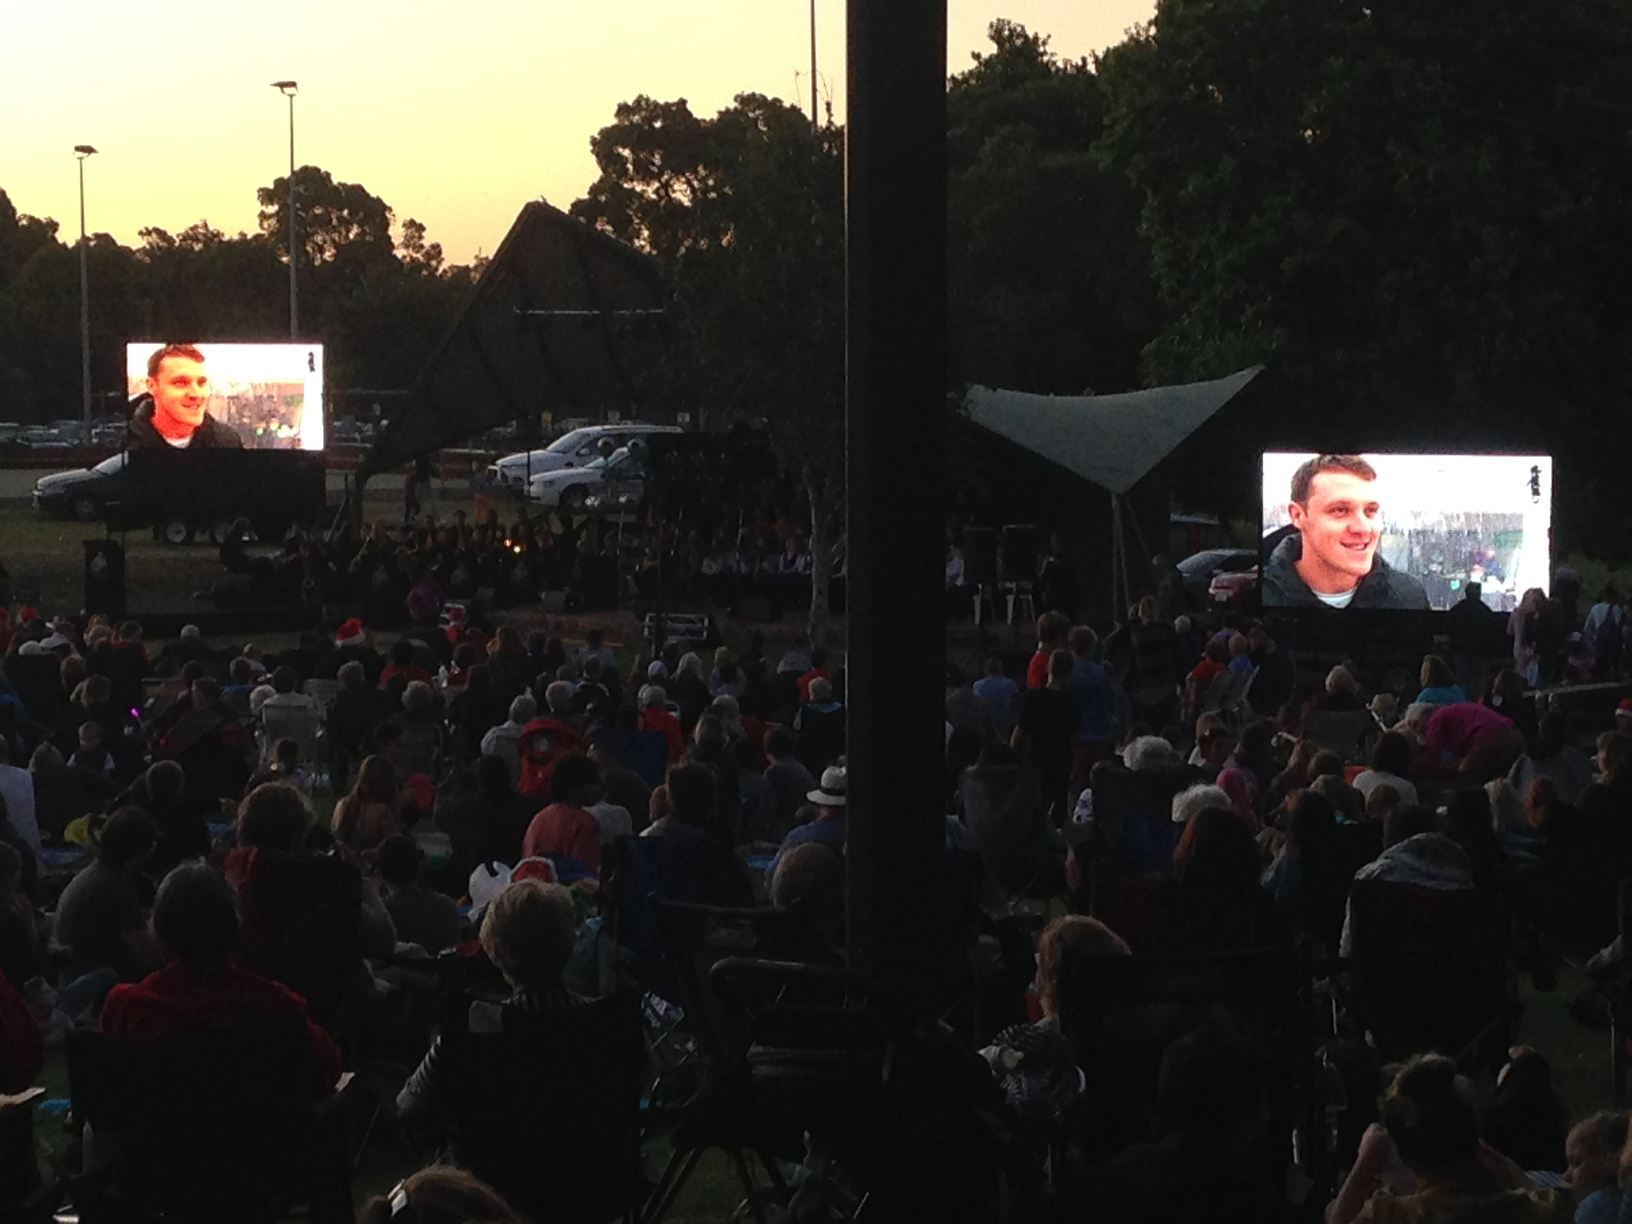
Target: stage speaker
980,556
105,577
1020,543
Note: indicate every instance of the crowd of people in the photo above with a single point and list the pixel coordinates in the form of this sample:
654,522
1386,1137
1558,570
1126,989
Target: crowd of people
198,837
593,561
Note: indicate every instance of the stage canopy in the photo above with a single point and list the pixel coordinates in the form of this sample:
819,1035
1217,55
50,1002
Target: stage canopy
1112,441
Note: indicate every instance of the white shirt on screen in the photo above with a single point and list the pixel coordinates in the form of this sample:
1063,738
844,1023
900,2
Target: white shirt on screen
1340,600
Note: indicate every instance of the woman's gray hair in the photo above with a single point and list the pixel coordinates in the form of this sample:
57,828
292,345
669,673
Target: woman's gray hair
1194,800
418,697
1149,752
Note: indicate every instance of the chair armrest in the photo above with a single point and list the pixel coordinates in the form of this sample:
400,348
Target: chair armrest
336,1097
20,1099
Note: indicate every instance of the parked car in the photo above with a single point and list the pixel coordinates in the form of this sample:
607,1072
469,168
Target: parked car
39,437
1199,570
611,482
570,450
1234,587
86,494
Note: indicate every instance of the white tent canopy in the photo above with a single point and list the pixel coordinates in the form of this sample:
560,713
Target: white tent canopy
1110,440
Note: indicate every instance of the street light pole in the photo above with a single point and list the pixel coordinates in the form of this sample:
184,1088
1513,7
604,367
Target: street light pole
82,152
815,123
289,89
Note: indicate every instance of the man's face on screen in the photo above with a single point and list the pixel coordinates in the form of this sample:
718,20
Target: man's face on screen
1341,524
180,392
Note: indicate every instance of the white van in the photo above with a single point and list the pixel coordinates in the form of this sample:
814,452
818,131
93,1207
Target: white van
569,450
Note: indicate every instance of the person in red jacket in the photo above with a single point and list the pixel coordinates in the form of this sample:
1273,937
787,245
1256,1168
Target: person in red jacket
196,920
22,1048
1053,628
655,716
567,827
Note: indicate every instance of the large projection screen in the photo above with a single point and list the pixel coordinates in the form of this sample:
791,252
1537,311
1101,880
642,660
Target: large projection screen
1403,531
270,396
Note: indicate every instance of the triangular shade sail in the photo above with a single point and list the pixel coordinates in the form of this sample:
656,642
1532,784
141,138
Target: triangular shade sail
1110,440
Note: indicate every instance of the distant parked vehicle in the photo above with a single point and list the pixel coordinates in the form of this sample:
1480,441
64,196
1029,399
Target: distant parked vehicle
1199,569
39,438
571,450
86,494
1234,587
614,482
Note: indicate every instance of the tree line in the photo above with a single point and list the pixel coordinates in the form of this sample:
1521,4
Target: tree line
378,301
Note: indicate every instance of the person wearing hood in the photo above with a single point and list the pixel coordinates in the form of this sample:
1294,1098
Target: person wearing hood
1332,558
172,413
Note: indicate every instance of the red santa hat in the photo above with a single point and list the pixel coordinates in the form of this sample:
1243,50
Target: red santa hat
350,633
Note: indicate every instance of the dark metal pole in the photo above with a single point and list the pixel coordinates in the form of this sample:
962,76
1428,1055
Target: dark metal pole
84,299
815,122
294,246
895,218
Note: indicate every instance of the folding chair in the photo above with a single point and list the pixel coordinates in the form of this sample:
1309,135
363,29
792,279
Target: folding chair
1343,731
1121,1012
1133,813
301,916
546,1107
909,1117
723,1112
19,1173
303,724
1429,970
1008,823
1163,916
209,1125
1228,693
324,692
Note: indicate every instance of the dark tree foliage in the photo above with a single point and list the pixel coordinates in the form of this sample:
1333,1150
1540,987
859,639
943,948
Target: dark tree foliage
1049,288
1415,213
378,305
746,212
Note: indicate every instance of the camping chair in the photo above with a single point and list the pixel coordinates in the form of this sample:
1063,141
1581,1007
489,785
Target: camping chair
324,692
547,1108
209,1125
301,916
303,724
19,1172
908,1116
1163,916
722,1111
642,872
1227,695
1429,970
1343,731
1121,1012
1133,814
1007,819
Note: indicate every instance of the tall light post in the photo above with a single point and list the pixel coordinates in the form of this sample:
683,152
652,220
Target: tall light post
81,152
815,123
289,89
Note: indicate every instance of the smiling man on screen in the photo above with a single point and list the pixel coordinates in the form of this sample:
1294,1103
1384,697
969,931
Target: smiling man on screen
1332,560
173,411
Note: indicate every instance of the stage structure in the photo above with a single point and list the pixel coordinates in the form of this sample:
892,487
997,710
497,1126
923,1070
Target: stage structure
564,320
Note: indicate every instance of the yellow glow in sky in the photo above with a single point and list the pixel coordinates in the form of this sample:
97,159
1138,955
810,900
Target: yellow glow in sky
456,114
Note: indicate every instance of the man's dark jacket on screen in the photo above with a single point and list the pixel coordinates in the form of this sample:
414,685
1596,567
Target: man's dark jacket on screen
1383,587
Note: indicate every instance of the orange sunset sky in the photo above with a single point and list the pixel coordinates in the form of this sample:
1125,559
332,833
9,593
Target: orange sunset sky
454,113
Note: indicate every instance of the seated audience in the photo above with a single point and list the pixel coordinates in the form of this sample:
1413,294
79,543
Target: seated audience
101,920
195,918
1428,1155
421,914
566,826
